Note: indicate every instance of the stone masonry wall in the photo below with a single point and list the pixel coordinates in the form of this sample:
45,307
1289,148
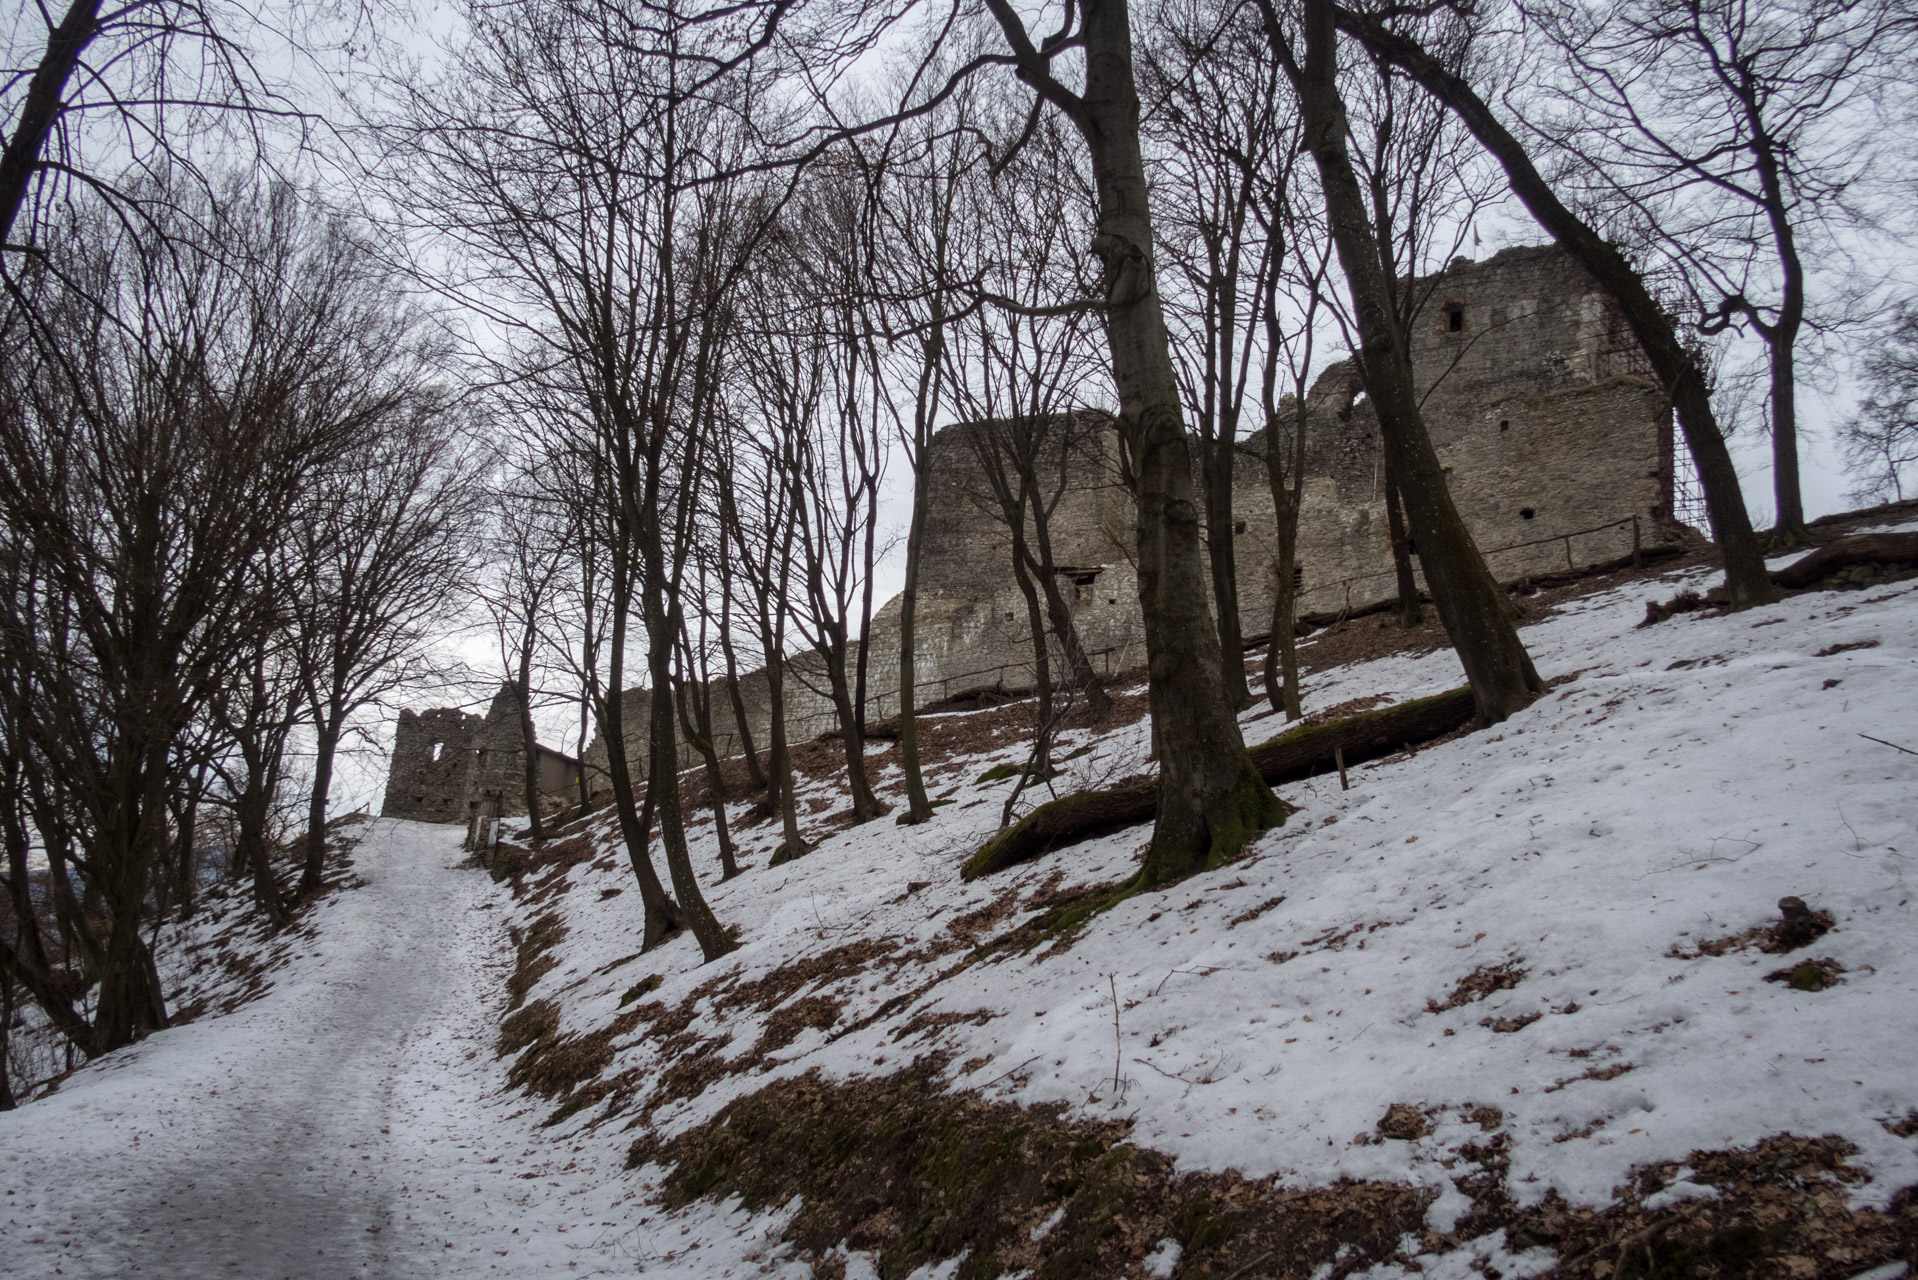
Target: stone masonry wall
1539,404
447,764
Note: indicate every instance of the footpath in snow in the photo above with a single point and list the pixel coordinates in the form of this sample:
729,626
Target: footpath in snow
348,1123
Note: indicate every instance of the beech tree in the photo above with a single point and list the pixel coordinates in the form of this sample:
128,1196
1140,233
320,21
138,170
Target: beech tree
529,554
1218,128
1474,609
1019,379
1674,362
757,513
1211,800
164,416
916,300
386,551
576,153
1732,141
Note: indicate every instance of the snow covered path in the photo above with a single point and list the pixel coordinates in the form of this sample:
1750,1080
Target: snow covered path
349,1123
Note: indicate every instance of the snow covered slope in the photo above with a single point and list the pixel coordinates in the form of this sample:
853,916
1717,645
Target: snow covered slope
1544,939
1524,929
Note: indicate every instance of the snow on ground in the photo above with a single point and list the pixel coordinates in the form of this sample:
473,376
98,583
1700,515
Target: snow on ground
348,1123
1678,781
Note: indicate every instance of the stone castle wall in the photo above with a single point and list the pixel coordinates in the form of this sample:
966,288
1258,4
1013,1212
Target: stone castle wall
449,766
1539,405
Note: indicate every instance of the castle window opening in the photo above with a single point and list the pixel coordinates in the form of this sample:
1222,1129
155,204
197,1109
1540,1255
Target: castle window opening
435,757
1504,424
1298,576
1526,513
1238,526
1455,316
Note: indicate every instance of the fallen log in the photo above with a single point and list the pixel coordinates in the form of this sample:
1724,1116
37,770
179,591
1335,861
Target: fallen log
1300,753
1861,549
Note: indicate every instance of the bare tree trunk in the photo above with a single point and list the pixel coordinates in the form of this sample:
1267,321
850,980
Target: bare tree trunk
528,734
1286,477
780,765
1470,602
1039,762
1211,800
251,812
1789,524
1781,336
661,912
186,890
129,1005
325,748
865,805
1079,672
865,608
1411,612
1216,459
755,775
662,784
1673,363
918,806
696,721
26,960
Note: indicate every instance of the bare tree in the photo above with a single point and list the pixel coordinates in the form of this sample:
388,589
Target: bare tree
1675,363
693,699
1475,611
919,173
1018,373
1731,140
165,410
810,361
256,714
1881,439
576,153
757,513
1297,277
389,555
1217,126
529,554
1211,800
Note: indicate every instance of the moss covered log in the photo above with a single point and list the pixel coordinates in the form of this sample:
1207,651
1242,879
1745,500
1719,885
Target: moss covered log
1301,753
1864,549
1313,749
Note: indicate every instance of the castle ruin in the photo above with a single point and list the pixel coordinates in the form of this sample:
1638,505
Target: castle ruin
449,766
1556,442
